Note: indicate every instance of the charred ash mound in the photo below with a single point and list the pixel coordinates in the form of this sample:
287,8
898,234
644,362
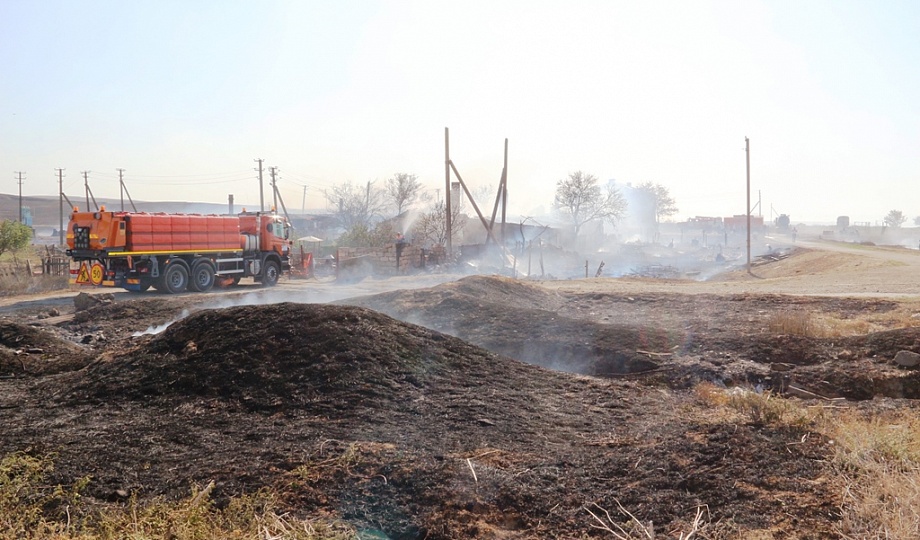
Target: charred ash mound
522,321
28,351
331,359
676,340
401,430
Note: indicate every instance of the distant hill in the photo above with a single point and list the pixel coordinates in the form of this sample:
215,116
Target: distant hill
46,209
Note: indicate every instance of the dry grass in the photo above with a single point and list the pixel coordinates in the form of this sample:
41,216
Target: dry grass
31,509
11,284
791,323
876,458
878,462
753,407
15,278
823,325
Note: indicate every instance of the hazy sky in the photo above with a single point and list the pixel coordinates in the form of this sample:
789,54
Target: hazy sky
185,95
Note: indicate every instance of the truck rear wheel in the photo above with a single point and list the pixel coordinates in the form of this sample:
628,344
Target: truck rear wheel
270,273
201,278
174,279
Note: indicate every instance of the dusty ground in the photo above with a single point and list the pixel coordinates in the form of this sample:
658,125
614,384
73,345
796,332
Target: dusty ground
447,427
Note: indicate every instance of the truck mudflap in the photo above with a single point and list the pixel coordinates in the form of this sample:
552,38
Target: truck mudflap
131,284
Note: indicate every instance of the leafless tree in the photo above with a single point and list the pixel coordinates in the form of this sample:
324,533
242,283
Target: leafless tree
431,227
664,204
403,191
581,199
356,206
484,195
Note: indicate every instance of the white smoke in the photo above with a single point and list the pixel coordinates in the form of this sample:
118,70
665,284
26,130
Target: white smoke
153,330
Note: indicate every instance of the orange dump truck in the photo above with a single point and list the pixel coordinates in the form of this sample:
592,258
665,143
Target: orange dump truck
175,252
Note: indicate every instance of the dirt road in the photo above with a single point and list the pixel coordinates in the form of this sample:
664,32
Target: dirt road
817,269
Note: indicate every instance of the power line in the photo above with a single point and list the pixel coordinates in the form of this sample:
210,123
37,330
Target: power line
196,183
221,174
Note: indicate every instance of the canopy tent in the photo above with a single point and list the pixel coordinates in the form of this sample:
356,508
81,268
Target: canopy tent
309,240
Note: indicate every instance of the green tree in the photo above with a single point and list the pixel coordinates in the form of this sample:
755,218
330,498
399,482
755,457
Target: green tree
14,236
362,236
895,219
581,199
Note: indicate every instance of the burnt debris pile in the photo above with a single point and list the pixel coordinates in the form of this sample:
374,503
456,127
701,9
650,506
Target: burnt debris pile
321,358
525,322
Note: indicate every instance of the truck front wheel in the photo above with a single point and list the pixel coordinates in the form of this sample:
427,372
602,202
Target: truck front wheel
270,273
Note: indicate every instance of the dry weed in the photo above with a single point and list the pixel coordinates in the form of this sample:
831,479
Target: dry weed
878,462
824,325
32,509
711,395
755,407
791,323
11,284
633,528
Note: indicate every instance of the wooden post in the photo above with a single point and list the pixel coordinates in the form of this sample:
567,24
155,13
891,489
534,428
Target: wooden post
504,190
482,219
447,189
747,211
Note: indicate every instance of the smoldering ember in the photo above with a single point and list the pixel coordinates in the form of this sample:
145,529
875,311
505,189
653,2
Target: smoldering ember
676,394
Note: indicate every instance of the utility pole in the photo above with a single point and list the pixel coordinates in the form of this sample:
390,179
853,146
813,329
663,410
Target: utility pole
121,187
747,155
272,171
124,191
20,173
447,189
60,206
261,193
504,188
86,187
